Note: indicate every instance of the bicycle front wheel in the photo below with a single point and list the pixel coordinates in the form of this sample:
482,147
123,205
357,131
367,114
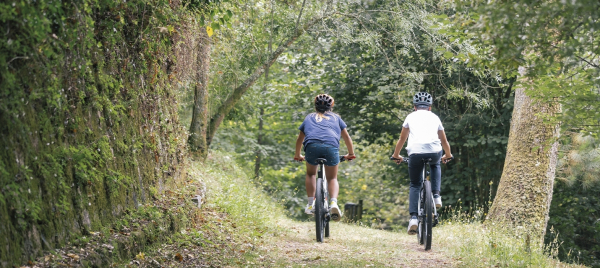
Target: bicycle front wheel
428,217
320,212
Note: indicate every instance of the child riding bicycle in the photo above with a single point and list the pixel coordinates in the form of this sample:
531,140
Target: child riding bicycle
320,134
426,139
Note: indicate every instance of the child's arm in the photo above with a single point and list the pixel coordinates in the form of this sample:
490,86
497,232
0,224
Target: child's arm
349,145
403,137
445,145
298,156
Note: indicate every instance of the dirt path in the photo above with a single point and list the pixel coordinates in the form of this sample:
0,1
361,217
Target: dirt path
348,246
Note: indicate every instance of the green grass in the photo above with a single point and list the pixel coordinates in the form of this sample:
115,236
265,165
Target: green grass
474,244
230,190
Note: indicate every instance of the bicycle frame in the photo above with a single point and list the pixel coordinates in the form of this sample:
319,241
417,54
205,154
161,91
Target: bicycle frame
321,174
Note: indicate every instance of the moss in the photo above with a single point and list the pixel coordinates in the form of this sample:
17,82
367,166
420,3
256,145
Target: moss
85,118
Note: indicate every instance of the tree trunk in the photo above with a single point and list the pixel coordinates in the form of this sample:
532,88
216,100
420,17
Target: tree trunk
197,138
262,108
525,191
228,104
259,140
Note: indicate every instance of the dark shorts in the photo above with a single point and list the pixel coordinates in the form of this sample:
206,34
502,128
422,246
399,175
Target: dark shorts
322,150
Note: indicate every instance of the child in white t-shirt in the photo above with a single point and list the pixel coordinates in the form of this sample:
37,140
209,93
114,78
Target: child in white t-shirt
426,139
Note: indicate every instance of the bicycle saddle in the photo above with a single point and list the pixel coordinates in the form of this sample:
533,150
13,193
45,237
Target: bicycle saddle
321,160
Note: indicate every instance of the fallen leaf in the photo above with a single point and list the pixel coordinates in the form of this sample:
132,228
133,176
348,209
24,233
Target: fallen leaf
73,256
178,257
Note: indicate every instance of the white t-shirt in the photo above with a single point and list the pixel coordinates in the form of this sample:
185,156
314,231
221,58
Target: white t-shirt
423,137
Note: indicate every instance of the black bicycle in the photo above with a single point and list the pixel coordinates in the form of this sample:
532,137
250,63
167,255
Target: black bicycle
427,212
321,207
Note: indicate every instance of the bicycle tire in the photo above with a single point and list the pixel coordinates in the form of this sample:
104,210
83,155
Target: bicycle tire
421,226
428,217
319,210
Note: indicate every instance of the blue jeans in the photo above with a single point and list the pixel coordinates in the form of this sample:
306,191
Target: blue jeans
415,170
322,150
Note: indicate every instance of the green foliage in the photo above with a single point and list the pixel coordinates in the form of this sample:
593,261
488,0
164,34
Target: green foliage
553,43
574,215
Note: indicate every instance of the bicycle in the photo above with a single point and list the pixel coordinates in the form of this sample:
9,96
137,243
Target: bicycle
321,206
427,212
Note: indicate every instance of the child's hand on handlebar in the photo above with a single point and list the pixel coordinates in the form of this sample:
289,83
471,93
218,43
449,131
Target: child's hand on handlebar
398,158
299,158
446,159
350,157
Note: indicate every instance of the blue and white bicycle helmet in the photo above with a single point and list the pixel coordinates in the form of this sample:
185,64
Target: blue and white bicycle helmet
422,98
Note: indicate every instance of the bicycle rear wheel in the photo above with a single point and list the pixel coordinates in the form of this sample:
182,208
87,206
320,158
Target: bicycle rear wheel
428,217
421,227
320,210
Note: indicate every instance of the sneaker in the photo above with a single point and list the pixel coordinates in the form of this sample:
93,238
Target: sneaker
437,200
309,209
413,224
336,214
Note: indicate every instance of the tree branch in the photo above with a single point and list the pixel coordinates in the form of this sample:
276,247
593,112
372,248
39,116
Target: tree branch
300,15
226,107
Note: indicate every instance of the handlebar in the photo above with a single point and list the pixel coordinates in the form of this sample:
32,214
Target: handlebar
405,159
342,159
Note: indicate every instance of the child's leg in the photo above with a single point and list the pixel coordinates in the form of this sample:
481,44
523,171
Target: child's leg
415,168
436,173
332,155
332,183
311,179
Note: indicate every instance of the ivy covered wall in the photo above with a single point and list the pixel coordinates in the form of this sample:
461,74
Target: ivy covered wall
88,116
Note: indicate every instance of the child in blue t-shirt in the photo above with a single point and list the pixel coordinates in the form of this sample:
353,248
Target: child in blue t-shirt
320,134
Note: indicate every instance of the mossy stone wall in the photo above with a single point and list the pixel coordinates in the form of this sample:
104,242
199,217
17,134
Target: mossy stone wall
88,117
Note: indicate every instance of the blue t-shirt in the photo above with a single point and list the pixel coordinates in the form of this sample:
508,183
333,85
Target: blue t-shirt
322,130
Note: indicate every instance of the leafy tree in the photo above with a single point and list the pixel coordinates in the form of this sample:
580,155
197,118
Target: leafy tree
550,45
249,40
552,42
574,215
